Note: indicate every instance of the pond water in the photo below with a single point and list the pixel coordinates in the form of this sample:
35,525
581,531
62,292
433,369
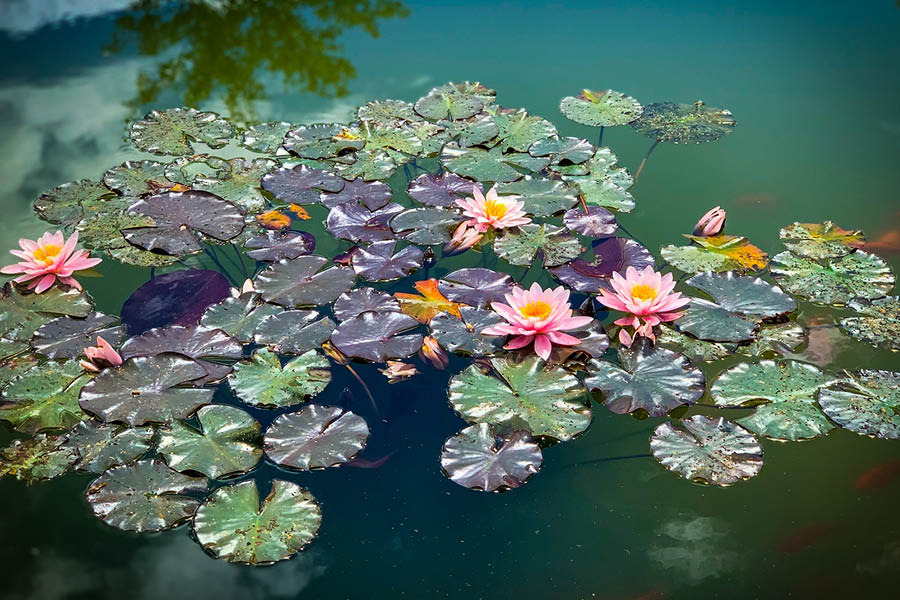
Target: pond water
814,89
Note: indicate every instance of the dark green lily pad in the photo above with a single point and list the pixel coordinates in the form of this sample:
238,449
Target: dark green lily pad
294,331
477,130
301,282
840,280
239,317
332,140
441,190
64,205
379,263
227,443
788,389
146,389
22,314
265,138
101,446
266,383
546,401
684,123
45,397
426,226
878,323
600,109
476,286
15,363
397,137
315,437
603,193
542,197
36,459
563,151
364,299
300,184
357,223
374,165
449,104
233,526
519,247
478,459
377,336
489,165
707,450
67,337
519,130
820,240
694,349
145,496
371,194
716,254
208,347
866,402
602,166
651,379
174,131
775,339
134,178
463,335
387,112
273,246
239,183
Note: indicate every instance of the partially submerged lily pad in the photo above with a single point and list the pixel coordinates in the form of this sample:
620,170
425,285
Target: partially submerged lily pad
323,140
315,437
489,165
265,138
840,280
239,183
478,459
476,286
377,336
694,349
464,335
264,382
563,151
357,223
554,243
717,254
134,178
176,298
707,450
174,131
605,108
302,282
866,402
65,204
821,240
101,446
878,323
67,337
45,397
684,123
36,459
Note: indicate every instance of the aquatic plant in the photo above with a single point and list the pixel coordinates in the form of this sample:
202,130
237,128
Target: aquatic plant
49,259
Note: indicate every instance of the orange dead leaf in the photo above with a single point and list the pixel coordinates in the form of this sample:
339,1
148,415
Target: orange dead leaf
431,302
299,211
742,255
273,219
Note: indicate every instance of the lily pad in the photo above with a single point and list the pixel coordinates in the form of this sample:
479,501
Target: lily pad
387,112
476,286
134,178
878,323
717,254
426,226
542,197
448,104
601,109
775,339
377,336
379,263
294,331
554,243
64,205
371,194
301,184
596,222
266,383
478,459
563,151
67,337
464,335
239,183
396,136
357,223
22,314
176,298
707,450
226,444
364,299
840,280
36,459
603,193
694,349
651,379
208,347
489,165
528,395
315,437
15,364
788,390
477,130
866,402
441,190
374,165
265,138
273,246
332,140
684,123
145,496
301,282
45,397
424,307
146,389
821,240
233,526
611,255
239,317
174,131
518,130
101,446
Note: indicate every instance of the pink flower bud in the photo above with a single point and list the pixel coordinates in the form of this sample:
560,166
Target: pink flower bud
432,353
710,224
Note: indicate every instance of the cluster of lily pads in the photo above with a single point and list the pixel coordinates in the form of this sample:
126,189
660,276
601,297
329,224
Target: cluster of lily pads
167,425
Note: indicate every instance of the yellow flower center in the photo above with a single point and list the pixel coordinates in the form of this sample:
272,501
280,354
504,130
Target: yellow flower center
495,208
45,254
539,310
643,292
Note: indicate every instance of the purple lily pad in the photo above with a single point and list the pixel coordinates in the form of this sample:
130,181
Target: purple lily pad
476,287
376,336
440,190
379,263
298,282
67,337
598,222
276,245
371,194
179,217
301,184
176,298
357,223
202,344
294,331
611,255
360,300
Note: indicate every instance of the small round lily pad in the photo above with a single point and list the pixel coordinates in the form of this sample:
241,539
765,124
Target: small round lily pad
264,382
315,437
478,459
684,123
820,240
36,459
878,322
866,402
101,446
605,108
838,281
173,131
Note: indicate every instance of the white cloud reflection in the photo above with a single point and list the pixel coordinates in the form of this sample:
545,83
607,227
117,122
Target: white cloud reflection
695,548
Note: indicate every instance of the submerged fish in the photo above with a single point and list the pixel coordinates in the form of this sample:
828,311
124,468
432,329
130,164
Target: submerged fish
755,199
887,243
362,463
878,477
805,538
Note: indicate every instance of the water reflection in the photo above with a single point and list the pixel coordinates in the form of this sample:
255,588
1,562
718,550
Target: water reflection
228,48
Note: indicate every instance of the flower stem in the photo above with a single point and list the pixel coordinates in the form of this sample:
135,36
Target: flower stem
600,139
365,387
643,162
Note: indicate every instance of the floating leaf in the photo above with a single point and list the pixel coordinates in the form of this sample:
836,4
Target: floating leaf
364,299
489,165
555,244
300,184
426,226
14,364
694,349
174,131
322,141
265,138
600,109
423,308
377,336
684,123
101,446
266,383
134,178
603,193
721,253
379,263
651,379
593,341
294,331
563,151
441,190
879,323
602,166
273,246
67,337
448,104
396,136
542,197
477,130
775,339
787,387
866,402
596,222
821,240
707,450
371,194
36,459
463,334
227,443
239,317
518,130
145,496
546,401
840,280
357,223
45,397
146,389
315,437
206,346
387,112
64,205
300,282
273,220
22,314
476,287
176,298
478,459
368,166
232,525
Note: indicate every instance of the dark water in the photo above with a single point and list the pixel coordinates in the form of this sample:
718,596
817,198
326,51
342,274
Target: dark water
814,87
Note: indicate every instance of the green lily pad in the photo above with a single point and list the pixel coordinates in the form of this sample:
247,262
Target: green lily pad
480,129
651,379
294,331
603,193
684,123
315,437
174,131
239,317
265,138
546,401
146,389
266,383
600,109
866,402
387,112
45,397
101,446
820,240
299,282
134,178
67,337
602,166
22,314
519,247
716,254
563,151
226,444
464,335
840,280
775,339
36,459
542,197
694,349
395,137
707,450
428,225
64,205
233,526
518,130
489,165
15,364
788,390
375,165
451,104
145,496
478,459
240,184
331,140
878,323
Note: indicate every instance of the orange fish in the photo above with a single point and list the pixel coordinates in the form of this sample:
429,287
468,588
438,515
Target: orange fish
878,477
887,243
273,219
805,538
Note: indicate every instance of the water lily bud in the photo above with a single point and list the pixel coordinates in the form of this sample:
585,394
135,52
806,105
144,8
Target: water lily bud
432,353
710,224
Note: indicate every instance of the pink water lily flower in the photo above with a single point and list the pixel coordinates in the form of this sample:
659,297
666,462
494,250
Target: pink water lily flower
648,299
49,258
712,223
537,315
493,212
101,356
